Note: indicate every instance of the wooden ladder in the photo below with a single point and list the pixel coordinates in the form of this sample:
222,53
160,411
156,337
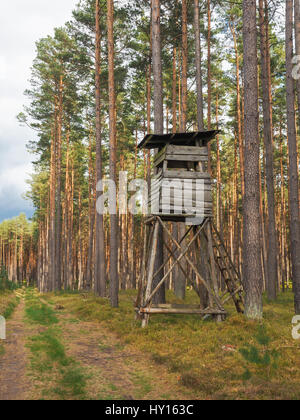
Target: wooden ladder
229,273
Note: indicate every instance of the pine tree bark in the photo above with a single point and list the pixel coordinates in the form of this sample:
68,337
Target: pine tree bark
158,128
114,277
51,233
251,251
209,79
272,251
174,92
297,44
293,164
184,66
200,112
179,231
100,275
58,232
238,107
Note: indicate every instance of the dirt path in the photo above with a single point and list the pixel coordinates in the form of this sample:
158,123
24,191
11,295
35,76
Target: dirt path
113,370
116,371
14,384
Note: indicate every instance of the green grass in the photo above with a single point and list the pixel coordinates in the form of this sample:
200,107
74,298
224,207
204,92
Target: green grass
37,311
48,343
2,350
8,303
72,382
48,354
197,351
10,308
41,314
142,382
60,375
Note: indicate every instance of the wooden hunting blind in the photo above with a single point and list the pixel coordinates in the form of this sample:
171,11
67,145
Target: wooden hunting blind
181,192
181,185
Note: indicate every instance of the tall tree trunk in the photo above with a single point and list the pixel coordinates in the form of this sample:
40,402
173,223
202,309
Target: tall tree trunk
297,43
114,277
179,231
158,127
200,112
251,250
272,278
80,251
238,107
219,174
90,247
293,164
51,234
282,217
100,275
184,66
149,91
58,187
174,92
66,210
209,79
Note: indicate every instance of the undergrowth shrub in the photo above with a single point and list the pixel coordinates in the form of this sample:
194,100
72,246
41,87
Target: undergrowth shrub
5,284
261,355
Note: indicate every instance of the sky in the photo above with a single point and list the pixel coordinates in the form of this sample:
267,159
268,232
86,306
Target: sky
22,23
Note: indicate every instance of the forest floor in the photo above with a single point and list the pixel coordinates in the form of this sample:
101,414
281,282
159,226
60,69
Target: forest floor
50,354
74,346
13,379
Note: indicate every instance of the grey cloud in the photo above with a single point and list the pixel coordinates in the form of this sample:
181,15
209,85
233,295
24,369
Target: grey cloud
31,20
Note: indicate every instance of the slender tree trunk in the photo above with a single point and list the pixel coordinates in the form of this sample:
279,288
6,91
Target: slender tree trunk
158,127
51,234
209,79
114,277
297,43
179,231
90,247
293,164
100,275
70,210
251,250
200,112
80,248
174,92
219,175
184,66
149,91
238,107
66,209
272,279
58,187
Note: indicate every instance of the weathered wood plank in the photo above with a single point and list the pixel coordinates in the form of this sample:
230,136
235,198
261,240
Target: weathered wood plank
195,196
179,174
161,153
182,153
178,205
185,158
181,311
187,150
191,198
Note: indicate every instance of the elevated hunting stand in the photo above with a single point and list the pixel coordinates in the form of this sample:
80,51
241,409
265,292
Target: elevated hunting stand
181,192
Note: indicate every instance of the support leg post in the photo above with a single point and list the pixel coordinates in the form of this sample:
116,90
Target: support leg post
153,246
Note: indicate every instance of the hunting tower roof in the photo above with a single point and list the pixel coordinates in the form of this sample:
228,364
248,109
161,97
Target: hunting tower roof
157,141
